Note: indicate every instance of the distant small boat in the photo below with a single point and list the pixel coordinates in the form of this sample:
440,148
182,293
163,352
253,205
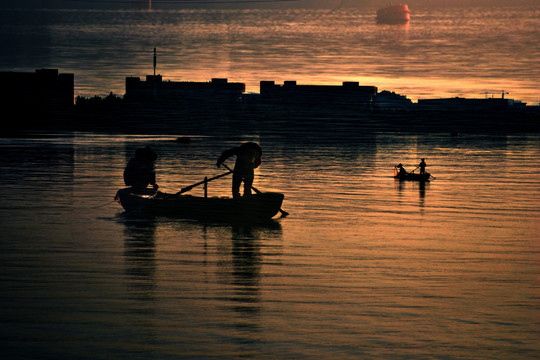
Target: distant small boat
403,175
247,208
394,14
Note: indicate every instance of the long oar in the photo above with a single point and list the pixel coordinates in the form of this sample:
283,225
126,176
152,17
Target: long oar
187,188
283,212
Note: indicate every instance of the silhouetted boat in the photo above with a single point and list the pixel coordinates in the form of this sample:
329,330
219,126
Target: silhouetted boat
248,208
394,14
411,176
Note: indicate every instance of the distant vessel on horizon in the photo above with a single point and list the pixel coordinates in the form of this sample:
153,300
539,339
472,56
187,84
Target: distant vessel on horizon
394,14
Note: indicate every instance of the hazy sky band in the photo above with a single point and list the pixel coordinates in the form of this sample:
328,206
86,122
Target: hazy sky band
293,3
177,1
443,52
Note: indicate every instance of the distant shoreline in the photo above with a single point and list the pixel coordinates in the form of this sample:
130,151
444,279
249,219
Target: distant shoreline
43,101
157,118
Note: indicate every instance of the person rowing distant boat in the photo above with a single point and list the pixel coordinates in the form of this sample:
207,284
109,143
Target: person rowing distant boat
248,158
401,174
422,166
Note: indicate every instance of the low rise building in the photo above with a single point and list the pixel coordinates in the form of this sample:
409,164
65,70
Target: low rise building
348,96
464,104
154,89
43,88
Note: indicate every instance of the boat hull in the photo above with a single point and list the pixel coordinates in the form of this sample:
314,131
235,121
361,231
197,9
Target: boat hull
413,177
249,208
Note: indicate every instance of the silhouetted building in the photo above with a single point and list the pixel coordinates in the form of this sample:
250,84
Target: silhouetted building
154,89
463,104
349,96
35,99
44,87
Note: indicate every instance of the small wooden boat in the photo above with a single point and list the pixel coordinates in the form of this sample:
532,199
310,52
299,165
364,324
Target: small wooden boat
394,14
403,175
248,208
413,176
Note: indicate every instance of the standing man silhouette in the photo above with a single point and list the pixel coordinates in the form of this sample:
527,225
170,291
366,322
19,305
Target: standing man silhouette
422,166
248,158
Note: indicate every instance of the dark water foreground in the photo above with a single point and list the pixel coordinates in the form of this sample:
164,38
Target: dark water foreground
363,267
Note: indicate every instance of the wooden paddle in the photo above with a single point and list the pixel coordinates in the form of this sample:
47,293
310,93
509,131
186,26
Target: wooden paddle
431,176
283,212
187,188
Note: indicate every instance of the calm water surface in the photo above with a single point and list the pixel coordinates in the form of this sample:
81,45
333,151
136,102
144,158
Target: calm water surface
443,52
364,266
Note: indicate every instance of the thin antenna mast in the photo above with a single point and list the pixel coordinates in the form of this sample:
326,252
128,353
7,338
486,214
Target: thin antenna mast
155,61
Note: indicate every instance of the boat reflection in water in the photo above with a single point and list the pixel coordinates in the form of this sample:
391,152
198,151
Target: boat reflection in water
394,14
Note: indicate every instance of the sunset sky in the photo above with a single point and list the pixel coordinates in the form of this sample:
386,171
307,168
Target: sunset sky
250,3
469,54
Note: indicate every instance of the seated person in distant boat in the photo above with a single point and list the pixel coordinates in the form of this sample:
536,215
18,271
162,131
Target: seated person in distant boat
401,169
248,158
139,172
422,167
